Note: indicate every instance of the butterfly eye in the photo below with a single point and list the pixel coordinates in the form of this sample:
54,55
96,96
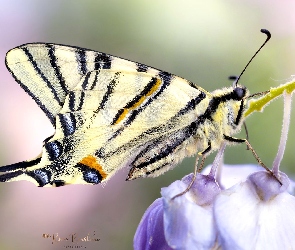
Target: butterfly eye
239,93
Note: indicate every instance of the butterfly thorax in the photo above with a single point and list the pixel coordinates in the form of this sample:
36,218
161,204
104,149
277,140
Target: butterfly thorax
223,117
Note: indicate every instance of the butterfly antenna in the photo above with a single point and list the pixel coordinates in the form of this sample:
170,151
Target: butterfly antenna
267,33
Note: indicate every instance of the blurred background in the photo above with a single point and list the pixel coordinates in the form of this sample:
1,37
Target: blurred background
203,41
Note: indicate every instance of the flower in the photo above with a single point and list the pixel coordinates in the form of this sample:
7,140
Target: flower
257,213
169,220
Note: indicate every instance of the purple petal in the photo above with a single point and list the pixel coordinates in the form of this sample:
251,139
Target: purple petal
150,232
267,186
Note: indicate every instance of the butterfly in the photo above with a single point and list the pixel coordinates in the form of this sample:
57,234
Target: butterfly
109,113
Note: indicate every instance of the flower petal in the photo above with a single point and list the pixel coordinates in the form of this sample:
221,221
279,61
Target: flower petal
187,224
251,216
229,175
150,232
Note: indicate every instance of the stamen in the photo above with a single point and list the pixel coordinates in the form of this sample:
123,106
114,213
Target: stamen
284,135
217,161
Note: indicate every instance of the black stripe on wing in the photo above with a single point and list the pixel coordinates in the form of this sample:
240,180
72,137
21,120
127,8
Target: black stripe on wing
137,99
53,60
166,79
20,165
68,123
110,90
50,116
191,104
102,61
81,59
76,100
163,146
141,67
42,75
89,83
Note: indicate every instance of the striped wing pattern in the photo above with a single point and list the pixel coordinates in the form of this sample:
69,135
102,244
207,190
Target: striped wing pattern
108,113
47,72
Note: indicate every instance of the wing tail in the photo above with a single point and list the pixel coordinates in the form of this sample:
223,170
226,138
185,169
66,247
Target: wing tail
18,171
19,166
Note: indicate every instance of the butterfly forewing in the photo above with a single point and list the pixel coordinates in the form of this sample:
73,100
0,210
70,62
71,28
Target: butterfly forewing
47,72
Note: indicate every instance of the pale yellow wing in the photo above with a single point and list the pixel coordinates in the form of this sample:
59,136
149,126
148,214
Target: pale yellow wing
47,72
113,119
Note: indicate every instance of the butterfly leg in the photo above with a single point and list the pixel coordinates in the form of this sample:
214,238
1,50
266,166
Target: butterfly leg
197,170
237,140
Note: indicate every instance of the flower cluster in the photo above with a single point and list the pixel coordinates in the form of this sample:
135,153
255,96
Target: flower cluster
239,211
